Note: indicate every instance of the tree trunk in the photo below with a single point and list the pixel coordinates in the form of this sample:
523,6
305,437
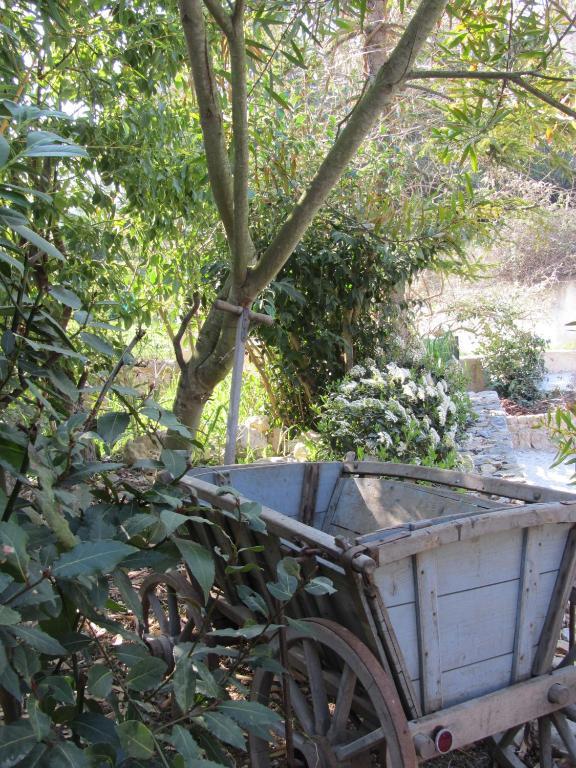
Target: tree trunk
212,357
209,364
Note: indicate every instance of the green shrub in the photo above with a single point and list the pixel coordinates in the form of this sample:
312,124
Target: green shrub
396,413
514,361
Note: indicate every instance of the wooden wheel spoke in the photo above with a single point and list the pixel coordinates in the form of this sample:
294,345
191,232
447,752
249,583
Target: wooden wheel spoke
159,613
360,745
545,739
507,738
343,705
317,687
173,615
300,707
562,726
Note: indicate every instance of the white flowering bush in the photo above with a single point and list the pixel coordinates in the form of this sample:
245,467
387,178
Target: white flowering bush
395,413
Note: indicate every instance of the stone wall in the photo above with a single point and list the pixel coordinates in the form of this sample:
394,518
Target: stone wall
529,432
487,446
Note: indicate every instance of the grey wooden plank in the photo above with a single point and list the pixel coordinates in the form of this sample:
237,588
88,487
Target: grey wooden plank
526,616
488,485
555,614
428,631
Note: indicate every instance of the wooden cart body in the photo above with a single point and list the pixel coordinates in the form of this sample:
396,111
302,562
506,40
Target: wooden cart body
456,583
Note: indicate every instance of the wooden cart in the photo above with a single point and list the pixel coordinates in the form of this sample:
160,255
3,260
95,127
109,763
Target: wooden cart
452,593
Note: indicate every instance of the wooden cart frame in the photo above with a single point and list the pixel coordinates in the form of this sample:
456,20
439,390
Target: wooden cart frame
451,596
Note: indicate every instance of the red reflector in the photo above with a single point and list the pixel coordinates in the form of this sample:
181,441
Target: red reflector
443,741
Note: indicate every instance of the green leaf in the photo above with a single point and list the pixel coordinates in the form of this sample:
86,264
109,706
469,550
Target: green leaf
98,344
172,520
68,755
27,664
90,558
38,241
13,543
8,616
12,262
252,600
174,461
223,727
136,739
16,741
200,561
64,384
321,585
130,653
96,729
184,683
112,426
128,593
251,511
146,674
92,468
253,716
40,722
4,151
184,743
55,150
99,681
58,688
38,640
65,296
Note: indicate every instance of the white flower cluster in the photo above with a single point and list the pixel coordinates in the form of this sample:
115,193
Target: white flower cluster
394,412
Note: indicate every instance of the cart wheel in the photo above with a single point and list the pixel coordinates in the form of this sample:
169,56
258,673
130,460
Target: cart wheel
171,613
542,741
345,709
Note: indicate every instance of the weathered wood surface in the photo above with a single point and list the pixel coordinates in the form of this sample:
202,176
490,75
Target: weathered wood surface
555,614
427,615
364,504
479,590
499,711
488,485
527,614
277,523
456,606
476,526
277,486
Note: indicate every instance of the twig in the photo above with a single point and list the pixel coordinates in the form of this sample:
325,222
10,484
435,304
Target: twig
177,339
115,371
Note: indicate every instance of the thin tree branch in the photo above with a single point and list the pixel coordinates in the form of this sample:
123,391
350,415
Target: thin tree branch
431,91
211,121
177,338
471,74
388,81
112,377
242,247
220,16
545,97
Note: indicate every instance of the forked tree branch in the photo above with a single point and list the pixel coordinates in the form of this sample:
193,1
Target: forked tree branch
192,17
388,81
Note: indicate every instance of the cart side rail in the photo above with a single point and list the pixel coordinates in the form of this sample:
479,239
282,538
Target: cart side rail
489,485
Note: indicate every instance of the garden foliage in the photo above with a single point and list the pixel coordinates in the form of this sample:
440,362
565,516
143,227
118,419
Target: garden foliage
78,682
512,355
394,413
